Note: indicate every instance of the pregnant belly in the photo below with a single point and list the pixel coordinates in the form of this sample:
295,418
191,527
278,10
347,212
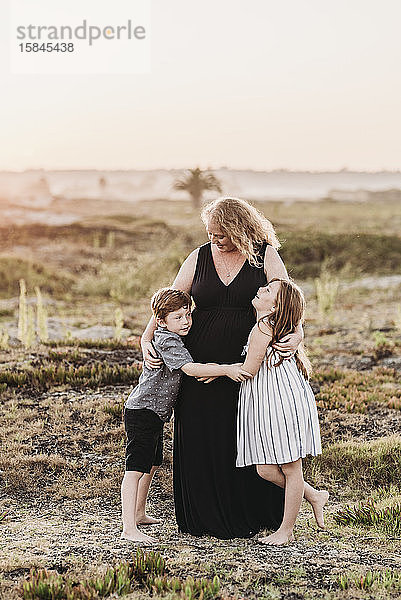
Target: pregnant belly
219,335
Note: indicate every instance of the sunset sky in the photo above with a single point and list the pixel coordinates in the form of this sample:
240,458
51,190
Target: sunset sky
261,84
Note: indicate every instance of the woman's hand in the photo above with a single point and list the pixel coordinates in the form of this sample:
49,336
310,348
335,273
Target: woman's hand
149,356
237,373
288,345
205,379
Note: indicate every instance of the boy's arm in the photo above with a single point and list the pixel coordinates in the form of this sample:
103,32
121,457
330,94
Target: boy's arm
203,369
234,371
260,339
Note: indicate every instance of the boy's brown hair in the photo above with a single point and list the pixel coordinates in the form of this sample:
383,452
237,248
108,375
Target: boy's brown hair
167,300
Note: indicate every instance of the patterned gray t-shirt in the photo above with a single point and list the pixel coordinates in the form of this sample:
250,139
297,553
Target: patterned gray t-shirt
157,389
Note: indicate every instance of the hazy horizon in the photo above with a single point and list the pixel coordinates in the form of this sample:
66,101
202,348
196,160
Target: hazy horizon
218,168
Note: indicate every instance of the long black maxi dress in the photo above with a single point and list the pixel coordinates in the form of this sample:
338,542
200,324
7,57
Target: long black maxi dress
212,495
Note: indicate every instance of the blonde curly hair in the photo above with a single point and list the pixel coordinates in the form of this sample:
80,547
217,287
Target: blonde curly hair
243,224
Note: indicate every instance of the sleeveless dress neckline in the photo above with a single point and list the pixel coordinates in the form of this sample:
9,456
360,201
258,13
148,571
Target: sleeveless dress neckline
217,275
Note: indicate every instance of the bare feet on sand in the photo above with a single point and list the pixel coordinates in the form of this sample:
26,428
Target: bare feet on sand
318,505
146,520
278,538
138,536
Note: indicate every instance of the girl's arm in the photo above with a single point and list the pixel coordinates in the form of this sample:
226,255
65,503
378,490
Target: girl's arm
274,267
260,339
183,281
234,371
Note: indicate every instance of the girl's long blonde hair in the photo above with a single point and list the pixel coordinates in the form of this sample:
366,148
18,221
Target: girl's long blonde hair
289,312
243,224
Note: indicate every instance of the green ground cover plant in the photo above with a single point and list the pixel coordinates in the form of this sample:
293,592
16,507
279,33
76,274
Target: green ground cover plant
354,391
91,376
367,513
146,570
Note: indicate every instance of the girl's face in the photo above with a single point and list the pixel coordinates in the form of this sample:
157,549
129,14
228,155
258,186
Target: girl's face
216,236
266,296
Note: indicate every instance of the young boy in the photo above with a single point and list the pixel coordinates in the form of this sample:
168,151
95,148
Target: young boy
151,403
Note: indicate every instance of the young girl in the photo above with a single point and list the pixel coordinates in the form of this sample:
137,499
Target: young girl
277,417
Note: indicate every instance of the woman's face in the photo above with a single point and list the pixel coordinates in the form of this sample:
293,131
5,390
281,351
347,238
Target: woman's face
216,236
266,296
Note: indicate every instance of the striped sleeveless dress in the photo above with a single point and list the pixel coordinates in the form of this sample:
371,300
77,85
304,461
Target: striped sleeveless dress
277,419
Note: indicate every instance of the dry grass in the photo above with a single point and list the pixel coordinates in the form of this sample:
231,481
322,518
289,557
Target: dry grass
45,452
359,467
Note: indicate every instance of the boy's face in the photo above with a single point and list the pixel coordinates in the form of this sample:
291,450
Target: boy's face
179,321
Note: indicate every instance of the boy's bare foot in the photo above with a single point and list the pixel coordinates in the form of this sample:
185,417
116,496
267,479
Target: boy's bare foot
146,520
278,538
137,536
318,505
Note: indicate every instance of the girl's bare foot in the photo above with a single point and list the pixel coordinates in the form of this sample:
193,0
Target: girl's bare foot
317,505
146,520
137,536
278,538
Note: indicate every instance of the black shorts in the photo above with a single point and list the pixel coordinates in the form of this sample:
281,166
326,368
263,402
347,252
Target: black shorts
144,429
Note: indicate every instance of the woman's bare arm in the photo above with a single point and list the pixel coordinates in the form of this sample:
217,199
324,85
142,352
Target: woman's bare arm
183,281
185,275
274,267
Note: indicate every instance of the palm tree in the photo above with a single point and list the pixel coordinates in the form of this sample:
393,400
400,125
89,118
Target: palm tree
195,182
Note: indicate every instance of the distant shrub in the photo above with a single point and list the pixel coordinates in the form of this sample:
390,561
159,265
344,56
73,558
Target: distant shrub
326,286
13,269
136,279
304,253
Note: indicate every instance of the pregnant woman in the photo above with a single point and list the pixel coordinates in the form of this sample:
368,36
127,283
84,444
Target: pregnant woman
212,496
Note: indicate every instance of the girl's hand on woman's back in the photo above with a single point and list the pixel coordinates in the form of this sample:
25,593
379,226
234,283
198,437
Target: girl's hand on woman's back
149,356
